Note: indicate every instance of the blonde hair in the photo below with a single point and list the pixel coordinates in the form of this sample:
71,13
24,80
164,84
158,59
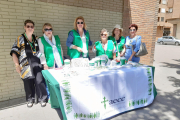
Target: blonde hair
119,34
104,30
75,23
46,24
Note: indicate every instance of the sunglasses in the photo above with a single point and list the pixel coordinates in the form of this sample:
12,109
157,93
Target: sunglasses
104,35
32,27
80,22
132,30
48,29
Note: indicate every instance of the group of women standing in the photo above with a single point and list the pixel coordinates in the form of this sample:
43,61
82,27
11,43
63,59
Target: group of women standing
31,55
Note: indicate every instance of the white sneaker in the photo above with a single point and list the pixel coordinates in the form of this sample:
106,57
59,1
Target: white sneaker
43,104
29,104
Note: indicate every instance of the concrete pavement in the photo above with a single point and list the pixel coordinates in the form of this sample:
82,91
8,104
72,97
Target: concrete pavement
165,107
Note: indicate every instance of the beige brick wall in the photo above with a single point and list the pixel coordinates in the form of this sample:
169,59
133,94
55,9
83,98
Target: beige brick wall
14,12
144,13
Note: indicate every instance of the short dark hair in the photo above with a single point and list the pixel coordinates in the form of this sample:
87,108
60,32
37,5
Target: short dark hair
29,21
133,25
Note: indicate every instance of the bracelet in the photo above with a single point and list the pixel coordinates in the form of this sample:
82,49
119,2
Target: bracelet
17,66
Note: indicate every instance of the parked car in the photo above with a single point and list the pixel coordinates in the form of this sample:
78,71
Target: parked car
168,40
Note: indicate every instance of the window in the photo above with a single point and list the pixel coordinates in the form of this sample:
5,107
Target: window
163,10
159,1
158,19
164,2
162,19
165,37
159,10
170,10
170,38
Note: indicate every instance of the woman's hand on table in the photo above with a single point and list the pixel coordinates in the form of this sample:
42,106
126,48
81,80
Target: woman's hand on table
79,49
117,60
45,67
130,59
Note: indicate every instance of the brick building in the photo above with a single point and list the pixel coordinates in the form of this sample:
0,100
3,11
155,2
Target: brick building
173,16
164,28
98,14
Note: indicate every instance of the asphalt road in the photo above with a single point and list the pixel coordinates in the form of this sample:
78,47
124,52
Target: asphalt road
166,105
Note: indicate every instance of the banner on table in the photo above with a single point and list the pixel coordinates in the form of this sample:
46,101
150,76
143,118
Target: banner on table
103,95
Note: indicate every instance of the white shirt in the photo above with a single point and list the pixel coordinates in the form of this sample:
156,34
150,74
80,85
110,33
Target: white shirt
84,48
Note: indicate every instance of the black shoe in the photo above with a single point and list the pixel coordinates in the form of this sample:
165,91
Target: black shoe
43,104
29,104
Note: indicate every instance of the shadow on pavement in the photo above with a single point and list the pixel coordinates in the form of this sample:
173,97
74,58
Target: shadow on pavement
12,103
59,113
170,65
166,106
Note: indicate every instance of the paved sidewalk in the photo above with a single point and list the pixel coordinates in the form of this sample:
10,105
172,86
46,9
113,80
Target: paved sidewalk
165,107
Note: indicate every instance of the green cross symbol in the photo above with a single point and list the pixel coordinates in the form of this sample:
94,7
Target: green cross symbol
76,115
150,89
133,103
144,100
129,104
68,102
66,91
137,102
91,115
67,98
67,95
68,107
95,115
66,83
104,102
98,114
150,80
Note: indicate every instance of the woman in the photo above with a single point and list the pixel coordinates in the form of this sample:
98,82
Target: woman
118,40
50,47
78,40
105,46
133,43
25,53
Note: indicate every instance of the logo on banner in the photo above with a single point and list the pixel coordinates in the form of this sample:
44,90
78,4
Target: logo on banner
112,101
104,102
116,100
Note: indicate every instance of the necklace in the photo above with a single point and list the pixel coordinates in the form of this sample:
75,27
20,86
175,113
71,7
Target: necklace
31,44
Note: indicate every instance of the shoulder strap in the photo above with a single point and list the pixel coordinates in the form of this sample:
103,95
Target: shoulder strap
136,38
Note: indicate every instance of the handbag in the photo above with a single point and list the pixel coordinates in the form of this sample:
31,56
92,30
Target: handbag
142,51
